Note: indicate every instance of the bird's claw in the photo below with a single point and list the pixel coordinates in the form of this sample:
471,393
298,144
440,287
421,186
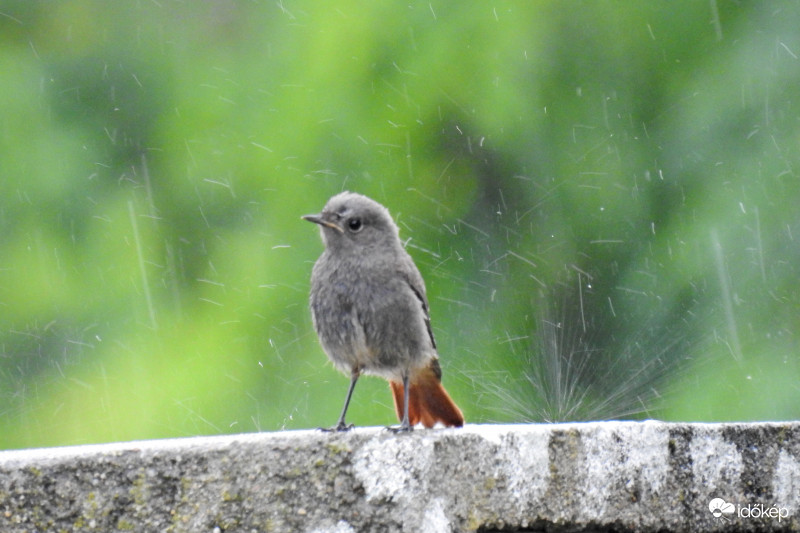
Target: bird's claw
338,428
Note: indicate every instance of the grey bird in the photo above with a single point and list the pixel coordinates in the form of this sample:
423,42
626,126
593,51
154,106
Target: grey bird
370,311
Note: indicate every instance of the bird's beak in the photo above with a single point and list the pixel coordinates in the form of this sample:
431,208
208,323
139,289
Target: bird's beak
320,219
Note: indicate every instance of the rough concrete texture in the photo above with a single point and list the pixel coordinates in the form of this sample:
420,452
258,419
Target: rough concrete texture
609,476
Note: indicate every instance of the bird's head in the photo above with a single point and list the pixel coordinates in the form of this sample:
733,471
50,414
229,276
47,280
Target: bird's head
353,222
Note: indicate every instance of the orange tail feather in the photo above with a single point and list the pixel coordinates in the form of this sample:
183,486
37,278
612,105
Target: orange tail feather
428,401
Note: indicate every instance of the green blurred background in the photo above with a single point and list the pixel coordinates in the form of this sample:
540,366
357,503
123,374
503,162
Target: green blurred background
603,198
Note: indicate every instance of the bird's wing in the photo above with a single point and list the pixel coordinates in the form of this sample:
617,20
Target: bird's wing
414,280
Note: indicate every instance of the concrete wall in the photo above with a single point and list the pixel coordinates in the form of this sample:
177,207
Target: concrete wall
609,476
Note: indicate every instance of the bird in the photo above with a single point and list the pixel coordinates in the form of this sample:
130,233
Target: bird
370,311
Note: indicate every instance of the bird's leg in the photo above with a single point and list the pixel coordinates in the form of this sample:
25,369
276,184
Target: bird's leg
341,425
404,424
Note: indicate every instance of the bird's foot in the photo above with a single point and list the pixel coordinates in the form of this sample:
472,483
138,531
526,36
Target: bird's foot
402,428
340,427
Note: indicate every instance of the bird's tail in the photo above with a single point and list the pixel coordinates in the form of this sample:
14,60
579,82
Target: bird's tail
428,402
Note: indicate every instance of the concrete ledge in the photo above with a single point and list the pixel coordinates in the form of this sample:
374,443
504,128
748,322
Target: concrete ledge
620,476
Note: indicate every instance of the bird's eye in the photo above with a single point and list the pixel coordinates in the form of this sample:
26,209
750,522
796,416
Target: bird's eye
354,224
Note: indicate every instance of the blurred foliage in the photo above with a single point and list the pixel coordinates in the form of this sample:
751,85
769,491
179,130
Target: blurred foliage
601,196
